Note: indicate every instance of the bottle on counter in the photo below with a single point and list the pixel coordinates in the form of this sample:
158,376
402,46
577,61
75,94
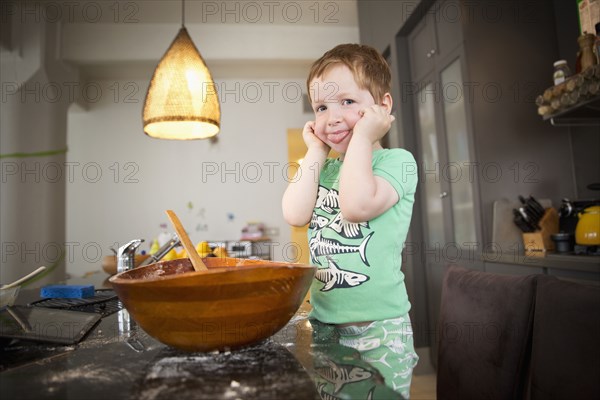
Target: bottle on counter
561,72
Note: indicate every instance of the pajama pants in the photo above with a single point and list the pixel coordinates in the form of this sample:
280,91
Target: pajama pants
388,346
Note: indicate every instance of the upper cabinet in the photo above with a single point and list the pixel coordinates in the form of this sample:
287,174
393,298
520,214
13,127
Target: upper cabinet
443,134
423,47
436,35
485,61
448,196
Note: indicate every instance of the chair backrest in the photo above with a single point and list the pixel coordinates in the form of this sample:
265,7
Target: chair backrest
565,352
484,331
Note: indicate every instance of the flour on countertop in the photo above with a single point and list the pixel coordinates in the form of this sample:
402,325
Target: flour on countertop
88,372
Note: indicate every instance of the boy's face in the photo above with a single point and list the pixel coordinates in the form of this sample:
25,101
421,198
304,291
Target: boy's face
337,101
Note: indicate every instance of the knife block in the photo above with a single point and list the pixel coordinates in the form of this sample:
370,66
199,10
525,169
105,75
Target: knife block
540,240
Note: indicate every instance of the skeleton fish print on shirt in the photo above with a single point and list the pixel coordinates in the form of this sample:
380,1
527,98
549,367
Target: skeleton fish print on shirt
319,246
328,201
334,277
344,238
348,230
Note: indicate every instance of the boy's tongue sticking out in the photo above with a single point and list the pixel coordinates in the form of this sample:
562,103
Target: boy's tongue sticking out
338,136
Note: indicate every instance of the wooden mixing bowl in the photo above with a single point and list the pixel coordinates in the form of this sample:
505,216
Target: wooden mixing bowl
235,303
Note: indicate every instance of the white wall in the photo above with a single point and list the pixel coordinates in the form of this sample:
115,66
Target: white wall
215,188
33,124
141,177
121,181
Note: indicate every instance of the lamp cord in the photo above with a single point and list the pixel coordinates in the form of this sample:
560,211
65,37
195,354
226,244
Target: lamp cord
182,13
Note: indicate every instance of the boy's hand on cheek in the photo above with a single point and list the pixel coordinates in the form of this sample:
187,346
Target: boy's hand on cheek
310,138
374,123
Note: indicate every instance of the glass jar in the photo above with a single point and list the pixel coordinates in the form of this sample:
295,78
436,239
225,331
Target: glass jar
561,72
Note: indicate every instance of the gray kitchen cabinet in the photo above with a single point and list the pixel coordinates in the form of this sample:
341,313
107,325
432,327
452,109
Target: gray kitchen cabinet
449,205
436,35
467,74
445,150
450,230
435,276
447,16
422,44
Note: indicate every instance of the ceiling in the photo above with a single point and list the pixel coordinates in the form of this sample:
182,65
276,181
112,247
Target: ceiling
241,39
300,12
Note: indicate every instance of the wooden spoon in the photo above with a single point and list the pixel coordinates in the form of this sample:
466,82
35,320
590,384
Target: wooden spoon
187,244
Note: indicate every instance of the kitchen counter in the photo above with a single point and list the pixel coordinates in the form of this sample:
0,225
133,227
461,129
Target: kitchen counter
583,263
579,268
506,253
118,360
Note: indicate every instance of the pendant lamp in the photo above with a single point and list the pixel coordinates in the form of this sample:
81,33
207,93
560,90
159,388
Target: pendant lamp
182,101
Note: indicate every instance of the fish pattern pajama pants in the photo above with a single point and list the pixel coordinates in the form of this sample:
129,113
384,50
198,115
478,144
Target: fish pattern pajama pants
388,346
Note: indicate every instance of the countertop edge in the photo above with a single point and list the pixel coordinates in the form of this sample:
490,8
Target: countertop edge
582,263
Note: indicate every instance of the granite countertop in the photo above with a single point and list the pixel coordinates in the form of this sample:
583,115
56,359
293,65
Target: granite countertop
118,360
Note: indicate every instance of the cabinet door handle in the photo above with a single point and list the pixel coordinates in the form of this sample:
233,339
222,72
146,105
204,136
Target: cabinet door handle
429,55
443,194
432,51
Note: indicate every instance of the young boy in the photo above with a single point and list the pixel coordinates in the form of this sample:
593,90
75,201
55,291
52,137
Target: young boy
359,207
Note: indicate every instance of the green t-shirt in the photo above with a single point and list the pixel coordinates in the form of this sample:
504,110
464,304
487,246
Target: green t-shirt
359,277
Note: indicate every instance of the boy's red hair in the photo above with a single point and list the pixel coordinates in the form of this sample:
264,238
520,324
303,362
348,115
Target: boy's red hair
370,70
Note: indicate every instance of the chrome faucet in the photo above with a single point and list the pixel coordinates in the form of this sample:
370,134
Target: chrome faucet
126,255
160,253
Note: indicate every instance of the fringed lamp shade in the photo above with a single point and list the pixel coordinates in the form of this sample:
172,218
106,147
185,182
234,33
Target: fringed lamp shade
182,101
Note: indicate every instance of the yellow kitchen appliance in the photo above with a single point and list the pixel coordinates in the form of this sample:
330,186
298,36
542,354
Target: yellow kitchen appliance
587,232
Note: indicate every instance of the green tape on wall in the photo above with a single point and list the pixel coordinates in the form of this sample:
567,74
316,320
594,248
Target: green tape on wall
36,154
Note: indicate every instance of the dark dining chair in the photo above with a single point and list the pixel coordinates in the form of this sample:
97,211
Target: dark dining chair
565,355
484,329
